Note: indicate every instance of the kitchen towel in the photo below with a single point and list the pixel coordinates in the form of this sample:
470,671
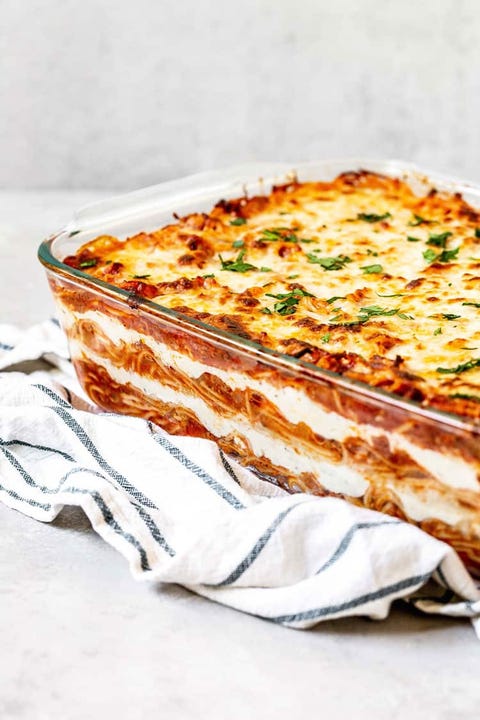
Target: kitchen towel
180,511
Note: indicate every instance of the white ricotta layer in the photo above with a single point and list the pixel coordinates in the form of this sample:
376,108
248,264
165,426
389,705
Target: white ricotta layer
336,478
292,403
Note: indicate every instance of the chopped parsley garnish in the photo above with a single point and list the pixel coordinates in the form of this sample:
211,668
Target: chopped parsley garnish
272,235
335,297
392,295
474,259
283,234
465,396
463,367
410,238
335,318
372,217
265,269
450,316
373,310
438,331
448,255
439,240
477,232
473,304
430,255
238,243
238,221
141,277
329,263
372,269
418,220
88,263
209,275
325,338
266,311
237,265
287,302
292,277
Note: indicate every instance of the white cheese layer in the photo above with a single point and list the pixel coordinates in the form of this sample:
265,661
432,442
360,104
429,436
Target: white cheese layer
294,405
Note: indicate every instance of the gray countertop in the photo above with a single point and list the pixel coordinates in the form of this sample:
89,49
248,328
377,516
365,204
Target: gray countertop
81,639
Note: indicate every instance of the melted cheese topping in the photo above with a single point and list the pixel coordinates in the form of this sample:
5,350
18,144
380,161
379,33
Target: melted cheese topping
359,276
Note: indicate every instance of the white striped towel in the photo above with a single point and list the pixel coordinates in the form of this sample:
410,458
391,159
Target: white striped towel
180,511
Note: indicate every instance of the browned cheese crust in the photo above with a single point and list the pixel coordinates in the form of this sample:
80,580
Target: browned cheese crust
359,276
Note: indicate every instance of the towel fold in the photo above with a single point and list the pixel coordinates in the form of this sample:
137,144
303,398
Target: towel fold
180,511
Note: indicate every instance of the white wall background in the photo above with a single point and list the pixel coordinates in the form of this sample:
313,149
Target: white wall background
123,93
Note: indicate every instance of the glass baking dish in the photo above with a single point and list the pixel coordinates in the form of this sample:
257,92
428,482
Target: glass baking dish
299,426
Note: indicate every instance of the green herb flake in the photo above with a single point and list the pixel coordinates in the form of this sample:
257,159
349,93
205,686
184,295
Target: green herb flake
88,263
209,275
392,295
450,316
287,302
73,233
237,265
292,277
473,304
438,331
477,232
141,277
325,338
329,263
265,269
238,221
374,310
372,217
430,255
448,255
372,269
465,396
418,220
238,243
266,311
410,238
439,240
335,297
463,367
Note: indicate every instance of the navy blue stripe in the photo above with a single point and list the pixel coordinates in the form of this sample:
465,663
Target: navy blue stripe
256,550
443,599
86,441
347,539
27,501
21,470
443,579
228,467
327,610
111,522
37,447
4,346
105,510
146,517
199,472
52,395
